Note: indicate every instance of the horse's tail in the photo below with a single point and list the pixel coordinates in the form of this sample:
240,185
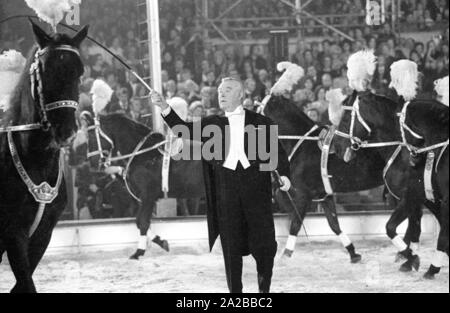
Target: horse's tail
405,79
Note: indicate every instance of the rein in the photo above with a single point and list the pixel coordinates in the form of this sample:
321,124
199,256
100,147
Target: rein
357,144
130,157
301,140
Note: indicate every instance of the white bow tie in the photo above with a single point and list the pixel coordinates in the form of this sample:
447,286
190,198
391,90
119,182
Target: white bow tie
238,112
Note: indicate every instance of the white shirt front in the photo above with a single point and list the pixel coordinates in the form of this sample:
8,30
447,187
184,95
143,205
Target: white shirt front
236,152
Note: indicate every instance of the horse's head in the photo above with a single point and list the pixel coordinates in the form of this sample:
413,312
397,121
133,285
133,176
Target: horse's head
55,75
291,120
92,143
364,117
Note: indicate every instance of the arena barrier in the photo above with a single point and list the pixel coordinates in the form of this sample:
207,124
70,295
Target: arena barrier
192,231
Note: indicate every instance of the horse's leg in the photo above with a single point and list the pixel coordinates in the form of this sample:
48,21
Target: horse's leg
184,206
302,204
143,220
17,248
40,240
414,230
399,216
441,255
2,251
329,208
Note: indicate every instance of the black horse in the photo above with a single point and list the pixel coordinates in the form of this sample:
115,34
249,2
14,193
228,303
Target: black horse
380,115
144,174
362,173
430,120
58,67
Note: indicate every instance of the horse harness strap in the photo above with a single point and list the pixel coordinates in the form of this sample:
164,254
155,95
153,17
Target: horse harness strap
404,127
388,167
99,134
324,156
43,193
20,128
166,166
324,160
301,140
431,155
137,151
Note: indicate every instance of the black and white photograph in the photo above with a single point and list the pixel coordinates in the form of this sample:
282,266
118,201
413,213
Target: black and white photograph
241,148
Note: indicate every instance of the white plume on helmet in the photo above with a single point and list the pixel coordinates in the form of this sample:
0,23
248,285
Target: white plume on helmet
335,97
292,74
361,67
12,64
405,79
101,95
441,88
52,11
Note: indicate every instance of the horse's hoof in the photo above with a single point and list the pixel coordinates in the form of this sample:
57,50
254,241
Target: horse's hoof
165,245
406,267
416,263
356,258
22,290
288,253
137,254
399,258
431,273
411,264
429,276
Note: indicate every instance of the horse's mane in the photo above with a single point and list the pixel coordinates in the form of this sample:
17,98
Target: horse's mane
387,107
286,108
119,119
431,110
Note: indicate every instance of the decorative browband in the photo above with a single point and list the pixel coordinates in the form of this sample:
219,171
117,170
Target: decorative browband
61,104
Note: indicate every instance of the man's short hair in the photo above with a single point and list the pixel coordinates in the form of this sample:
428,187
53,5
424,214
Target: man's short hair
232,79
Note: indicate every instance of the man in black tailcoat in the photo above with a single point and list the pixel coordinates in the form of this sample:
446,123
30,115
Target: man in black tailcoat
237,180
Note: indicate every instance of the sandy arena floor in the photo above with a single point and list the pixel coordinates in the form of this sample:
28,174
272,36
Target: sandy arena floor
315,267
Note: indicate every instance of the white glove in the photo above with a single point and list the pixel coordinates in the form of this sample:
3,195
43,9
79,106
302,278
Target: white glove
114,170
286,184
93,188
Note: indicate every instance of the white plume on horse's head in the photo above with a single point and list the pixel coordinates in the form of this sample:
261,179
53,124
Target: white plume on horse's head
441,88
101,95
12,64
180,106
405,79
335,97
361,68
52,11
292,74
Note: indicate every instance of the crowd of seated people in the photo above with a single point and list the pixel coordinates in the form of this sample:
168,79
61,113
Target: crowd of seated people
192,67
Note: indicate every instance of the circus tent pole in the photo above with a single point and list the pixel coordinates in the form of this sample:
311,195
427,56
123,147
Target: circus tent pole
155,58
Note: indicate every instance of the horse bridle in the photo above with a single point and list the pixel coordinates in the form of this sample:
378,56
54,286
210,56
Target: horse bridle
356,142
99,133
37,92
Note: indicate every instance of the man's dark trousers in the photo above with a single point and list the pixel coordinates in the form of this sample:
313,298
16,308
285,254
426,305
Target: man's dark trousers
246,223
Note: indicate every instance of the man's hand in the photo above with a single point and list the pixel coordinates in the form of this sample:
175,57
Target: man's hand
286,184
114,170
159,100
93,188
